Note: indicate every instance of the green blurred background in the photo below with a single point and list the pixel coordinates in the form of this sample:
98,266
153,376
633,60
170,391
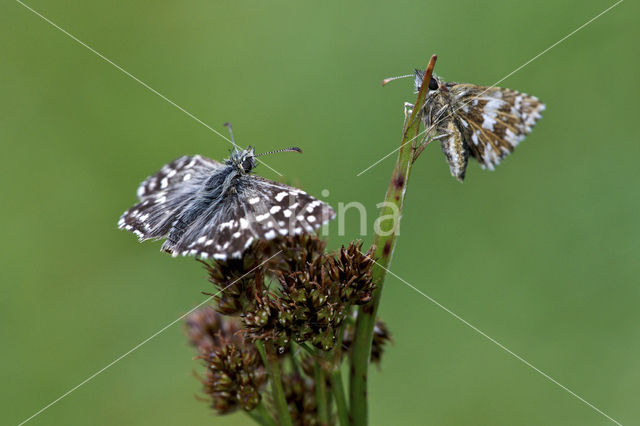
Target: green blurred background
542,254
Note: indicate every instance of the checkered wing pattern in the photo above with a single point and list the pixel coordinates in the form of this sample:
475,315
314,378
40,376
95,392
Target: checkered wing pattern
165,194
493,120
260,209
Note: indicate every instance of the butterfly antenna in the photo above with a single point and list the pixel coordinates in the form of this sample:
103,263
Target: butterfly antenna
390,79
293,148
233,141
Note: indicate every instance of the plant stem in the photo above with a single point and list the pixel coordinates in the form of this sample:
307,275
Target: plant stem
384,250
341,399
321,394
261,416
292,354
270,359
337,387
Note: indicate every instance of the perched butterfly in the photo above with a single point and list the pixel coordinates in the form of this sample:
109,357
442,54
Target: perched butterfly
208,209
485,123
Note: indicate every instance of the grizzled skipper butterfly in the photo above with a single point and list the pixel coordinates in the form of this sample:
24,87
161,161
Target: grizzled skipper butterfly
485,123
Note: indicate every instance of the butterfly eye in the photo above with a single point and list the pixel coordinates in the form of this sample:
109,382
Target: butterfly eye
247,165
433,84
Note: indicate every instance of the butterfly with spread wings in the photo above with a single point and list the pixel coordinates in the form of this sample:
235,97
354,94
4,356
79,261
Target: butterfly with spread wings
485,123
210,209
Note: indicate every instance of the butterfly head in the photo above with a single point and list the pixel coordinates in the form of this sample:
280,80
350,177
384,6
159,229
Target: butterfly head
243,160
435,84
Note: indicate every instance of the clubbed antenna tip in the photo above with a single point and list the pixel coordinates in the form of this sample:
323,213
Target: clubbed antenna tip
390,79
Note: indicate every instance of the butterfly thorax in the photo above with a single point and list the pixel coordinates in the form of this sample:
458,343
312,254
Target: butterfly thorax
220,185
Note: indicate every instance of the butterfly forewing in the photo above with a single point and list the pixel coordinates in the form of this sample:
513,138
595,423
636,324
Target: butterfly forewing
485,123
493,121
165,194
175,173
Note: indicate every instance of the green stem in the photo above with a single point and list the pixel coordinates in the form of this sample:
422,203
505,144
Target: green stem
294,361
321,394
394,202
341,399
261,416
337,387
270,359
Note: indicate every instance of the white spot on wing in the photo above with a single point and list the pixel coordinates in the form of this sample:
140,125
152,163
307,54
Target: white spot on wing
226,225
489,120
474,137
248,242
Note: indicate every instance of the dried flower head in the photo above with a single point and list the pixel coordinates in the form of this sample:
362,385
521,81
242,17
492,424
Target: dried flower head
299,251
300,395
236,280
234,374
314,294
305,307
352,270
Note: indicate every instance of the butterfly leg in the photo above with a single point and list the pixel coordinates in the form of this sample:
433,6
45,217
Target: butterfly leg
408,109
424,141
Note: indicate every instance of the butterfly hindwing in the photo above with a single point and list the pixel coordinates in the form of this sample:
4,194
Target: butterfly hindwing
455,150
261,210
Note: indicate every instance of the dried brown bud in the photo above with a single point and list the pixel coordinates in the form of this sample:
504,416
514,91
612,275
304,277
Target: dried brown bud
352,270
